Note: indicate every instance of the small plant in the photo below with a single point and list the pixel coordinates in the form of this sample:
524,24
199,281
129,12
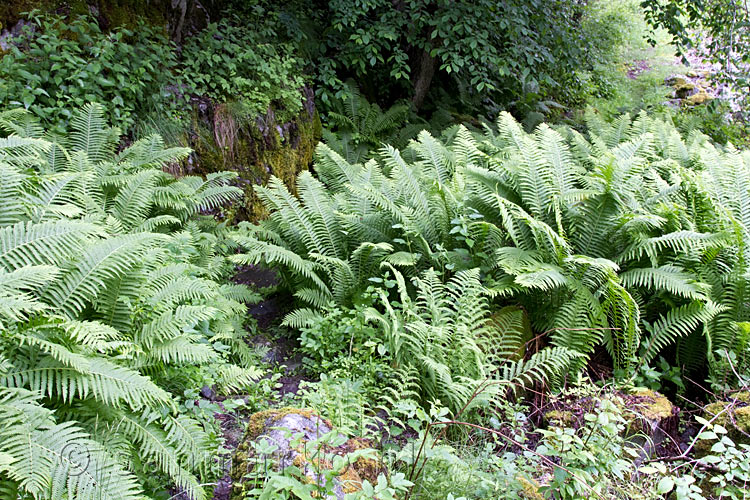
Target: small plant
320,473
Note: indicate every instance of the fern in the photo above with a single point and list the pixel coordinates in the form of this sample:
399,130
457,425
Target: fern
109,287
446,336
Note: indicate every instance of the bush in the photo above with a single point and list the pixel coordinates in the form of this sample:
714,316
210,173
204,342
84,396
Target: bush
58,65
230,62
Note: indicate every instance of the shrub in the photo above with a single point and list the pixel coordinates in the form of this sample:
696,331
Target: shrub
58,65
630,238
227,61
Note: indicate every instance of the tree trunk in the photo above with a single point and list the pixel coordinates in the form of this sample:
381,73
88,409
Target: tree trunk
422,77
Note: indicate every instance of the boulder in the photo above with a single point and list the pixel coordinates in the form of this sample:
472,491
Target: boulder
294,434
701,97
649,415
675,81
684,90
733,415
257,148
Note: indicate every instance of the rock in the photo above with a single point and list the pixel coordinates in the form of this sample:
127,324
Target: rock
701,97
733,415
208,393
651,417
256,148
675,80
684,90
7,34
650,412
530,489
559,418
294,435
692,74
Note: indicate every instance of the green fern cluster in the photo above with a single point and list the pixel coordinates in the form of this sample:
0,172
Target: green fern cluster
357,127
633,230
447,336
632,237
110,287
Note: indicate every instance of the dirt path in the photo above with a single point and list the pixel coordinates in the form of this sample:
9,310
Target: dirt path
281,351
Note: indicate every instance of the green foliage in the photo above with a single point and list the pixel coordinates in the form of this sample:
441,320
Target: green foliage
57,65
630,238
446,335
722,473
342,401
719,31
591,457
468,50
340,342
228,61
358,127
111,296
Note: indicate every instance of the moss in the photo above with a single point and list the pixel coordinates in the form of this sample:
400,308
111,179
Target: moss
366,468
256,150
242,460
652,405
351,478
743,397
733,415
110,13
646,411
559,418
684,90
530,489
701,97
742,417
261,420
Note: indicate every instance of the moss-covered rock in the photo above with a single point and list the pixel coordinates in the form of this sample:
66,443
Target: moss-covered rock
559,418
733,415
530,489
256,148
676,81
684,90
699,98
294,435
647,409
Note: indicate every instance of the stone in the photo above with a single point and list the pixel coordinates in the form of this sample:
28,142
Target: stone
651,417
684,90
559,418
294,433
733,415
208,393
530,489
649,412
675,80
254,148
700,98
